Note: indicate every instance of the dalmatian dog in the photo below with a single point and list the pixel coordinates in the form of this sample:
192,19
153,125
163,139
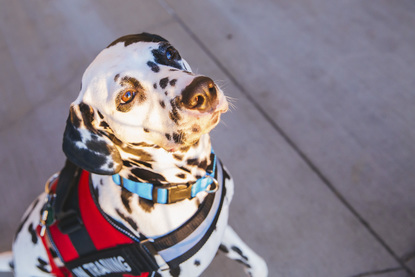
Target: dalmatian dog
144,115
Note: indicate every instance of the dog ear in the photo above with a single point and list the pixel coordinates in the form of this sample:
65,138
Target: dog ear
88,147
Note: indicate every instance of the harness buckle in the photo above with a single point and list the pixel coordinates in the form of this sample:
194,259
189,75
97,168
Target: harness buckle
148,247
179,192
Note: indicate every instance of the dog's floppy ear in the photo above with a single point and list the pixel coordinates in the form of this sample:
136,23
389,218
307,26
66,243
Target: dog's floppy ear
88,147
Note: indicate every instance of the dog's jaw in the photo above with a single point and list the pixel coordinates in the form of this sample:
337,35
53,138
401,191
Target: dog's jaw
143,162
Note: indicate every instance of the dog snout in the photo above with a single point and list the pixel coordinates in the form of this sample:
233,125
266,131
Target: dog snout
200,95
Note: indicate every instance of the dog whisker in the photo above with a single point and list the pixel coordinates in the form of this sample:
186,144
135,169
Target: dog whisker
231,102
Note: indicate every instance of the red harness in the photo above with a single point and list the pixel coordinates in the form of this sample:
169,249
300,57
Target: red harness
102,233
91,244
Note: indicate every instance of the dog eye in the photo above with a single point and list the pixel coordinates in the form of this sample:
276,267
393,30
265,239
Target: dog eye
172,54
128,96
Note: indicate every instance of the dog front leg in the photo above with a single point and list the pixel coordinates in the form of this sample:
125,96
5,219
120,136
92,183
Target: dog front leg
235,249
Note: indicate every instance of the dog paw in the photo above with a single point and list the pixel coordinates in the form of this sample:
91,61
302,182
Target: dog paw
259,269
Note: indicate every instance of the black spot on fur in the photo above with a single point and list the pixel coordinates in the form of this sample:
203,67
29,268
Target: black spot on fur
146,130
100,114
131,81
104,124
146,204
114,139
155,85
178,137
116,77
160,56
168,136
193,162
26,217
96,145
175,117
178,157
142,163
125,198
174,114
239,251
195,128
185,148
166,93
243,262
162,104
148,176
132,178
181,175
203,164
144,37
175,272
32,233
127,163
185,169
223,248
128,219
87,115
154,67
144,144
135,162
173,82
42,265
163,82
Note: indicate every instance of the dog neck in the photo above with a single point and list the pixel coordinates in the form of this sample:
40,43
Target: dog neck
143,162
151,164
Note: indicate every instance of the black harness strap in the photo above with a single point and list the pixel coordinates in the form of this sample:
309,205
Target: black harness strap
67,209
187,228
185,256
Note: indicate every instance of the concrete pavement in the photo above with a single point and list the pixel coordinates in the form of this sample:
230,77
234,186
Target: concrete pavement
321,143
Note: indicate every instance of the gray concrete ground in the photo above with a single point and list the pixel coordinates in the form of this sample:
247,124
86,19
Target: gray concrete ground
321,143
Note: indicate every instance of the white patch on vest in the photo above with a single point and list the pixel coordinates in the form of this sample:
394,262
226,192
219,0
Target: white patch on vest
102,267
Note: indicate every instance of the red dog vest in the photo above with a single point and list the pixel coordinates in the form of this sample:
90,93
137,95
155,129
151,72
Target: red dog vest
91,244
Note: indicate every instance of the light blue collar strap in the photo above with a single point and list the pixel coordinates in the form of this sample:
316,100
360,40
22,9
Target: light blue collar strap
173,193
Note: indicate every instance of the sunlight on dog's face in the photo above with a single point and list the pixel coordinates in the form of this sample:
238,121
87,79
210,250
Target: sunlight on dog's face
146,92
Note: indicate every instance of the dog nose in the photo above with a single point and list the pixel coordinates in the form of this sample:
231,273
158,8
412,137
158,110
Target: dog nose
200,94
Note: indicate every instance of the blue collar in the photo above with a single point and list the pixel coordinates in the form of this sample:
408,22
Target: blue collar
173,193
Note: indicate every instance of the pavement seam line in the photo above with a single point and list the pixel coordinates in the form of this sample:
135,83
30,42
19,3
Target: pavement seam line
289,141
408,257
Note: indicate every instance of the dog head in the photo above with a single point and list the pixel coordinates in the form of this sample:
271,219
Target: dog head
139,91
